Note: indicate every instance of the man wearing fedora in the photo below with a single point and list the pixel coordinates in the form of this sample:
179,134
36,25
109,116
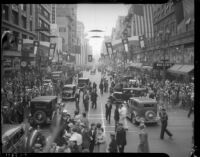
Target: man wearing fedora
113,144
121,138
164,119
108,107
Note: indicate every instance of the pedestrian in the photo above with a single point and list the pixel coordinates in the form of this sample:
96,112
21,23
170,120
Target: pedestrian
85,137
94,85
94,99
191,105
92,135
113,144
116,116
76,137
108,107
143,146
100,143
101,87
164,122
86,101
121,138
123,113
85,120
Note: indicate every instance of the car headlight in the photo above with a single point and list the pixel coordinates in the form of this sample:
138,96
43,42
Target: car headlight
150,115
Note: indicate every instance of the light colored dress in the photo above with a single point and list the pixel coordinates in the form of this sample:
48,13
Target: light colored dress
143,146
100,144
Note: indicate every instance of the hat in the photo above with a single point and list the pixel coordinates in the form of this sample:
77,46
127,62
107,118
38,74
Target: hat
65,111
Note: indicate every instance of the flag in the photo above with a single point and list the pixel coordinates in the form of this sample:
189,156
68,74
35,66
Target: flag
89,58
20,43
125,43
36,45
52,50
179,12
109,48
138,9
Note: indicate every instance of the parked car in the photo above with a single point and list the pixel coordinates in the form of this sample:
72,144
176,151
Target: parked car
142,109
42,110
68,92
82,83
13,139
126,94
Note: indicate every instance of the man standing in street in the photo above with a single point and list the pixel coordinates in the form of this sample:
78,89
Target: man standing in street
116,116
121,138
164,119
92,135
94,98
123,113
77,99
108,107
101,87
86,100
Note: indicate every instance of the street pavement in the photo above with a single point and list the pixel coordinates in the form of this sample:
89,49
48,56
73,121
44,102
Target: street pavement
178,124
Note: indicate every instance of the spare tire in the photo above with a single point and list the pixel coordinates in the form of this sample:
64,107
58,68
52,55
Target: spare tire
39,117
149,115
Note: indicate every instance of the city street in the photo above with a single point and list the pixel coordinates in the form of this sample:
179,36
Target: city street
179,125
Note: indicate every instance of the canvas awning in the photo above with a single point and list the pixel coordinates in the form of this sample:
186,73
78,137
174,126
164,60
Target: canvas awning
175,68
186,69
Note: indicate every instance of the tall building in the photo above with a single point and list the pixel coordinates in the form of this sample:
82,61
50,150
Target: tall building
20,19
80,36
43,20
66,21
119,26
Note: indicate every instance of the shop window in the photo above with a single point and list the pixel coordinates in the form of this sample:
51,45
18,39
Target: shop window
24,36
15,17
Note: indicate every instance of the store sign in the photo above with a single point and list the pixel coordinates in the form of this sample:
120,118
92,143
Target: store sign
161,65
7,63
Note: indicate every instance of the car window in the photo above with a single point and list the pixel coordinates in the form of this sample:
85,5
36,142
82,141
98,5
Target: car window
149,105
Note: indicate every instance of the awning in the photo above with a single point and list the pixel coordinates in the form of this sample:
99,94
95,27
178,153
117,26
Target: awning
186,69
175,68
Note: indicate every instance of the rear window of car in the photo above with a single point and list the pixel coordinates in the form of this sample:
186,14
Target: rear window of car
149,105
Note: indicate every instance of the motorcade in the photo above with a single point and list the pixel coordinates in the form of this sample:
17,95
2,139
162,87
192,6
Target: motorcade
82,83
142,109
13,138
68,92
126,93
42,110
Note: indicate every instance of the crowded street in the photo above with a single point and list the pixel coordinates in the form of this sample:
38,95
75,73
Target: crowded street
72,83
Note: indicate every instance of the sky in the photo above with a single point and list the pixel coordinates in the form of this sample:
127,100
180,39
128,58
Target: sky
99,16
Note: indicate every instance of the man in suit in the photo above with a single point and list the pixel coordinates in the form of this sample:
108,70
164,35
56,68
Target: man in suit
164,118
94,98
121,138
92,135
108,107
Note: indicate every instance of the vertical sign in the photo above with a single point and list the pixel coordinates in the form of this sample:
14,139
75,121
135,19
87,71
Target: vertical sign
36,45
52,50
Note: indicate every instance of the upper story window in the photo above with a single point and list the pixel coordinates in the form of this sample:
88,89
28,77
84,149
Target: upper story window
5,12
23,22
23,7
15,17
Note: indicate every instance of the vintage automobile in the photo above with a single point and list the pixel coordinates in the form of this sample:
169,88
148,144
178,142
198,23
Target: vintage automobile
127,93
42,110
48,82
13,138
82,83
142,109
68,92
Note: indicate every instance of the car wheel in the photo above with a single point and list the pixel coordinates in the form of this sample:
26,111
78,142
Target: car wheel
149,115
39,117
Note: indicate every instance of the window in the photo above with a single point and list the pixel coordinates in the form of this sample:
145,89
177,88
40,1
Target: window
31,27
31,38
24,36
5,13
24,22
23,7
15,17
31,9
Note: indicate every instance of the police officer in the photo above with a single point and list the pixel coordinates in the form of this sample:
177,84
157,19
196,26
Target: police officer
164,118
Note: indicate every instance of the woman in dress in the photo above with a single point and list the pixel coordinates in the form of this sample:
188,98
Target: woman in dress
100,143
143,146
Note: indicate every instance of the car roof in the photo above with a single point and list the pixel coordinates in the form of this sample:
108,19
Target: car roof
134,89
69,85
83,78
143,100
10,129
117,92
44,99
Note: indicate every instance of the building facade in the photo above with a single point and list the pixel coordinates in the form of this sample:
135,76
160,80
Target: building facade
20,19
43,21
